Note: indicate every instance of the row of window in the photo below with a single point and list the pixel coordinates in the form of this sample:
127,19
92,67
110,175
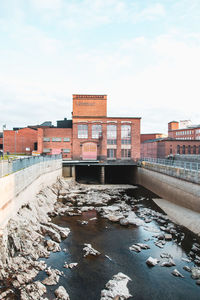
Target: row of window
48,150
189,149
56,139
184,138
111,133
184,132
125,153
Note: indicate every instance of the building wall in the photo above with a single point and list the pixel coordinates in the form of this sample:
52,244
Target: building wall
102,142
1,143
17,141
45,141
163,148
151,136
89,105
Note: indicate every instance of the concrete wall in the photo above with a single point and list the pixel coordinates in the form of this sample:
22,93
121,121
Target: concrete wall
175,190
17,188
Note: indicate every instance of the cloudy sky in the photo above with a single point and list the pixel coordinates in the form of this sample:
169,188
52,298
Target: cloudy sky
144,54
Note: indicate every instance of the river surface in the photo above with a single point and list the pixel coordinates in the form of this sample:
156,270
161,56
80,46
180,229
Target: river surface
86,281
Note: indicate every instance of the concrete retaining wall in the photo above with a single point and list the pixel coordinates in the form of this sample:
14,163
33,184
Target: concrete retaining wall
175,190
16,188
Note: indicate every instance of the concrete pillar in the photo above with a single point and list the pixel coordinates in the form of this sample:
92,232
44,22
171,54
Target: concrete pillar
73,170
102,174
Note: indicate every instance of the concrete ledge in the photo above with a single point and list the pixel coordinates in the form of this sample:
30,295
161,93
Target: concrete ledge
17,188
180,215
175,190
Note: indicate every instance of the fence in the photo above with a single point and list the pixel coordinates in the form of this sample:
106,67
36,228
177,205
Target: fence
189,171
9,167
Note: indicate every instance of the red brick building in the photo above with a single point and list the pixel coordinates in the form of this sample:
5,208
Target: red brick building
162,148
55,141
183,130
96,136
21,141
90,135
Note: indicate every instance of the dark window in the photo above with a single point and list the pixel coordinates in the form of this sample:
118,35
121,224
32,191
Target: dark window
189,149
111,153
126,153
178,149
194,149
183,150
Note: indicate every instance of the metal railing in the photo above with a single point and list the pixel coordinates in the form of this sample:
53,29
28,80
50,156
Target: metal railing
190,166
9,167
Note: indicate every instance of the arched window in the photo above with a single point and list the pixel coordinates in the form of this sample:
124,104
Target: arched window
183,150
178,149
189,149
194,149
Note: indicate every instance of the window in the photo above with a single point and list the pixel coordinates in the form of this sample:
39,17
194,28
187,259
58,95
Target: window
82,131
189,149
111,153
66,139
178,149
66,150
126,134
46,139
56,139
126,153
183,150
46,150
111,134
199,150
194,149
96,131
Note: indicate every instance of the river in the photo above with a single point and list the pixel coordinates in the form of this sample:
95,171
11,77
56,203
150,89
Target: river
88,278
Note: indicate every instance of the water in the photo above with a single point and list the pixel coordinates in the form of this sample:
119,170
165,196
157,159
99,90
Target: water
86,281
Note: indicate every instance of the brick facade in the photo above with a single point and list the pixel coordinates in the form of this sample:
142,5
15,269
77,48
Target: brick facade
22,141
162,148
151,136
89,105
55,141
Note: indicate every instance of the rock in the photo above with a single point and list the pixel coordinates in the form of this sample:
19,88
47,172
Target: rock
168,263
166,255
198,282
34,291
168,237
135,248
143,246
54,276
90,251
70,266
152,261
116,288
134,220
53,246
186,259
176,273
186,268
82,222
160,244
61,293
123,222
195,272
5,294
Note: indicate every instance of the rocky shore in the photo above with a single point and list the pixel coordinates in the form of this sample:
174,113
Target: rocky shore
31,236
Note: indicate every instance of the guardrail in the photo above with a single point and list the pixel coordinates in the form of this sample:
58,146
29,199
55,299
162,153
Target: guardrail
189,171
192,166
9,167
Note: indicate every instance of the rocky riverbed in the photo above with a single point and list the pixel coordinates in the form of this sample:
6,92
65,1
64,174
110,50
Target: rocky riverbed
37,241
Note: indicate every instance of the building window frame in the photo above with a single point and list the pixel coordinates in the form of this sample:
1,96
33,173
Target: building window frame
82,131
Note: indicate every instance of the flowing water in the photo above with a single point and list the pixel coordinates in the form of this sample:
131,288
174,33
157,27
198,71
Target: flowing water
86,281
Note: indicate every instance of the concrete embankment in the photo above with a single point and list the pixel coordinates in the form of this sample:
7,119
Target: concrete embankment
17,188
180,199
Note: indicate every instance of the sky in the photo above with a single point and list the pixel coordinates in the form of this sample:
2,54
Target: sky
144,54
